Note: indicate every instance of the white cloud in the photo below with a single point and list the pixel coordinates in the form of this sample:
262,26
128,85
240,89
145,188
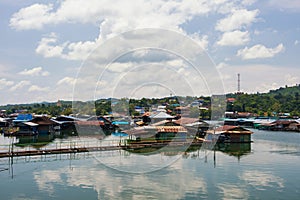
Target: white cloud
31,17
248,2
291,80
115,17
111,14
37,71
140,53
259,51
120,67
236,20
234,38
112,17
253,77
202,41
267,86
47,49
80,50
5,83
296,42
20,85
36,88
67,80
291,5
221,65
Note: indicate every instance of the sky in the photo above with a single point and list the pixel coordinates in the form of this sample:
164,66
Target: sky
48,48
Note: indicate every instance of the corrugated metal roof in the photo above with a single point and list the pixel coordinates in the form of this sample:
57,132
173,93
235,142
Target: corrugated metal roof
161,115
170,129
30,123
89,123
230,129
186,120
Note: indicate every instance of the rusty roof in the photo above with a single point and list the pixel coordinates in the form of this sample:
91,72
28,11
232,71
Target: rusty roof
42,121
231,129
186,120
90,123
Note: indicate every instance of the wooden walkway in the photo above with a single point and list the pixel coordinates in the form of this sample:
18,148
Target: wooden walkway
59,151
132,146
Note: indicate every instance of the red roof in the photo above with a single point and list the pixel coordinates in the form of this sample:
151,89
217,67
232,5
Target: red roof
90,123
232,129
146,114
42,121
231,99
225,128
186,120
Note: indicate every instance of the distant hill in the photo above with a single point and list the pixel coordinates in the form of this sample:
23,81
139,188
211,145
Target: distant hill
286,90
273,103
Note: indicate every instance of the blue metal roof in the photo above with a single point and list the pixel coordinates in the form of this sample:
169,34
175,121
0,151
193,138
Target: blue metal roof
120,122
23,118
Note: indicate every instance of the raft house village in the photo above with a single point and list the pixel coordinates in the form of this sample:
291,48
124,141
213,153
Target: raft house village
150,127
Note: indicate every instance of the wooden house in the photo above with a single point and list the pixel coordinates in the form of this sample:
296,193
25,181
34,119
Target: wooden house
107,123
35,126
194,126
27,128
159,131
160,116
22,118
231,134
65,123
91,127
294,126
4,122
44,125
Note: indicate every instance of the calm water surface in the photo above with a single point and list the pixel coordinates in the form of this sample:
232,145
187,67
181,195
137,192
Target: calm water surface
268,169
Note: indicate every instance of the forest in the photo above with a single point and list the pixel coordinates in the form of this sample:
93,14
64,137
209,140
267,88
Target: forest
274,103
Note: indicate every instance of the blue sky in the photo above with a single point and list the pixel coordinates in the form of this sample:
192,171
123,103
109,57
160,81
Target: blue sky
44,43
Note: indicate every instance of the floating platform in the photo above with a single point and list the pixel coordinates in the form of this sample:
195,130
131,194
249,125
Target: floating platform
58,151
132,146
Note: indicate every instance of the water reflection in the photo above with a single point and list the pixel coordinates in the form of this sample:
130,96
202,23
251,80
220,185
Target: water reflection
231,191
262,180
260,173
36,141
234,149
169,183
109,183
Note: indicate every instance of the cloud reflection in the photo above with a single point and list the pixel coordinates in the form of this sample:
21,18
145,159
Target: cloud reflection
260,179
231,191
168,183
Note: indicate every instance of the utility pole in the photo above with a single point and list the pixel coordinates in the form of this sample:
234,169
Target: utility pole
239,83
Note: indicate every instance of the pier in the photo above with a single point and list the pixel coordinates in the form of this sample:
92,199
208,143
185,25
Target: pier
83,146
58,151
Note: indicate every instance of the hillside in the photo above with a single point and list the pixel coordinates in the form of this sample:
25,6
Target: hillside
281,100
286,91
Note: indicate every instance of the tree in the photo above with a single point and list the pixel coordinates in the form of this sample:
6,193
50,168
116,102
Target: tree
67,111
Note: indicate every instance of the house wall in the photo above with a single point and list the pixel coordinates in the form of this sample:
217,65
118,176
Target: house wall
44,129
240,137
293,127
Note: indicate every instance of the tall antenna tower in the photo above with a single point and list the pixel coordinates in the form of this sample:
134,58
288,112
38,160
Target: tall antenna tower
239,83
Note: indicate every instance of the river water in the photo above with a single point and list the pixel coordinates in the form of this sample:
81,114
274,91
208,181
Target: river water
269,168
